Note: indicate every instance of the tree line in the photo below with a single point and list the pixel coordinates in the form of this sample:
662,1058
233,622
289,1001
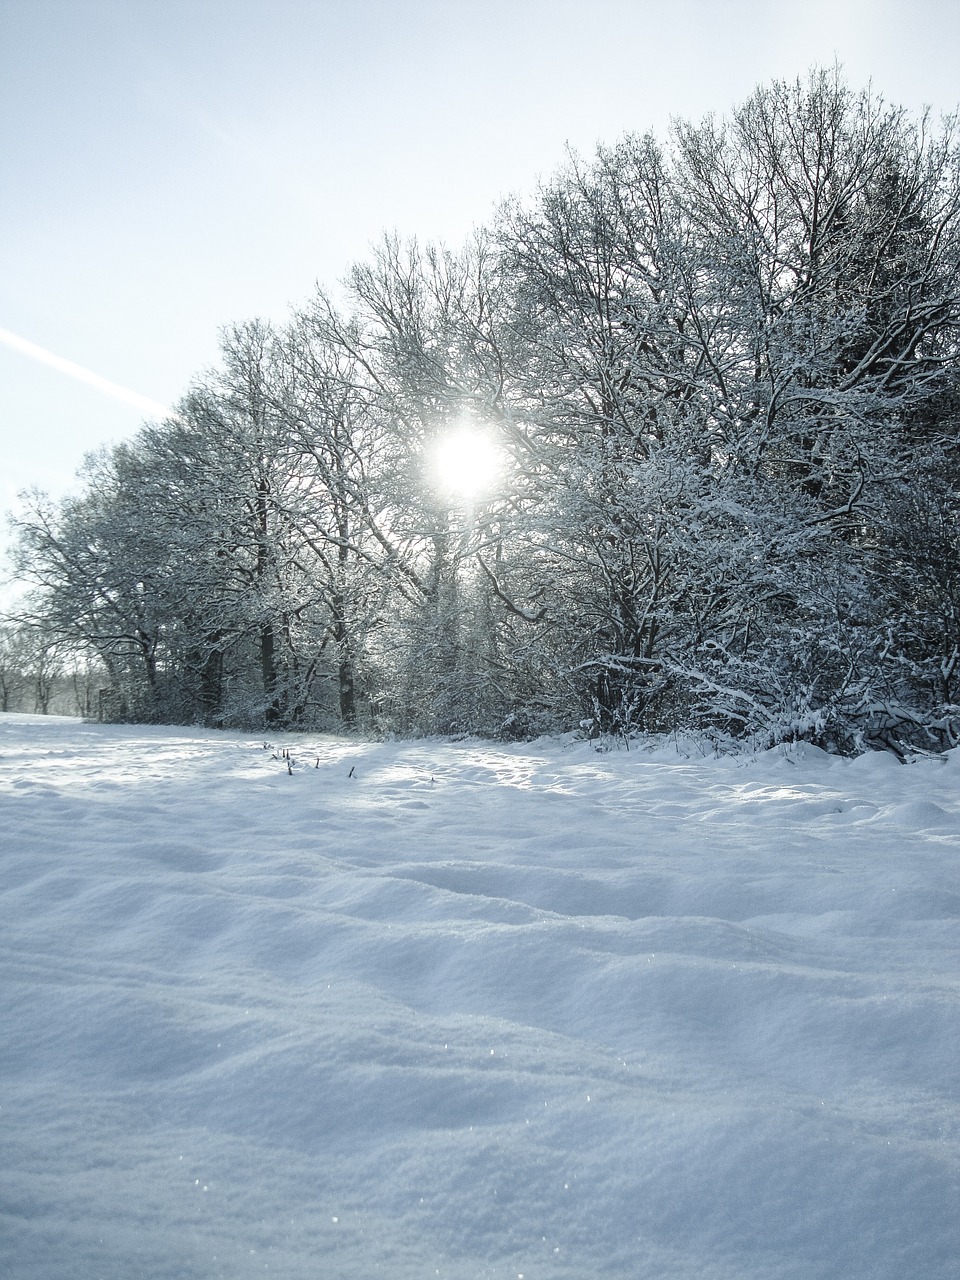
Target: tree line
721,374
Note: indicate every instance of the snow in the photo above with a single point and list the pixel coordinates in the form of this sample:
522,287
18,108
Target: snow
472,1010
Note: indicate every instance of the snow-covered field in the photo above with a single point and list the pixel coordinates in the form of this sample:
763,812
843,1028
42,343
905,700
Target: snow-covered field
470,1010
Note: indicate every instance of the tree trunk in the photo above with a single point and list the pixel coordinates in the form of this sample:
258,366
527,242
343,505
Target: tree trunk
268,668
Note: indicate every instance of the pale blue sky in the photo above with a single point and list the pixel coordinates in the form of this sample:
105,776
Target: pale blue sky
168,166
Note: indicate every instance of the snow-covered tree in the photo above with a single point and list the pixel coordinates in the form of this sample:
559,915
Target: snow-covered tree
721,374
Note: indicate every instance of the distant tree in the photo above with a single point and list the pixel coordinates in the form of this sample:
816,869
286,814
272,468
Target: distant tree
14,663
98,565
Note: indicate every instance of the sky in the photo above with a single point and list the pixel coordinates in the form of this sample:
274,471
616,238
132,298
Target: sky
167,169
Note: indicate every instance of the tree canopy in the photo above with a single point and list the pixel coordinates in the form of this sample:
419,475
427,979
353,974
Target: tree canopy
721,377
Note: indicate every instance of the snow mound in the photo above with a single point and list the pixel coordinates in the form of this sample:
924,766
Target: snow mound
924,815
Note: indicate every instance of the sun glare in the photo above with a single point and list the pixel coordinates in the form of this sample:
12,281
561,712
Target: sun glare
466,462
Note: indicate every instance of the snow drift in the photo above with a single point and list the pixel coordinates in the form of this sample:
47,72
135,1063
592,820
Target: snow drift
464,1010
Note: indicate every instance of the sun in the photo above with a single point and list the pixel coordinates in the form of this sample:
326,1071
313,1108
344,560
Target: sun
465,462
